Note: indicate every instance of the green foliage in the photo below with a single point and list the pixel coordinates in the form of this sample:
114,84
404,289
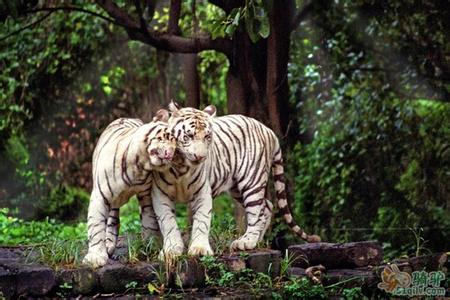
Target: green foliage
302,288
254,15
373,162
217,274
36,59
213,68
14,231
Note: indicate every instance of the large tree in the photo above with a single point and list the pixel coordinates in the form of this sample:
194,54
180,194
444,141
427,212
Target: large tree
253,34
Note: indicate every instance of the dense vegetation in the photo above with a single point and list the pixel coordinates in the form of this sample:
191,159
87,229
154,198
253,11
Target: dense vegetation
368,136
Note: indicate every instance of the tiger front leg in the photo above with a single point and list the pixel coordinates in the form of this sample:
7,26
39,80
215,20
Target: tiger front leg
164,209
201,214
112,230
98,211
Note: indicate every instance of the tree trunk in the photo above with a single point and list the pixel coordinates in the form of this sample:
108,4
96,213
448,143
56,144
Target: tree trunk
277,88
191,79
246,90
257,83
246,82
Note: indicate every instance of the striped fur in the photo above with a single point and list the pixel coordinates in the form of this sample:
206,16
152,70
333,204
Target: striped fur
232,154
125,156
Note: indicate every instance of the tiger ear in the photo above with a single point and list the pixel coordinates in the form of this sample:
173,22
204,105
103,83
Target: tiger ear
173,106
161,115
210,110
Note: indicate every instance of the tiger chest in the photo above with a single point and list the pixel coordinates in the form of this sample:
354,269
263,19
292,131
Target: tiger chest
176,191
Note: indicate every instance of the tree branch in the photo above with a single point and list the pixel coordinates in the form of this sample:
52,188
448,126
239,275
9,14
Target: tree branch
144,24
301,15
72,8
163,41
25,27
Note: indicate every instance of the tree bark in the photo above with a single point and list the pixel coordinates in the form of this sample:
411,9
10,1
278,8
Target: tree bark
191,80
277,88
257,84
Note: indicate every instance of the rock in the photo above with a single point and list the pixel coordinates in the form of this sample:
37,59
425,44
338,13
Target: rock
263,261
234,263
354,277
83,281
7,283
11,254
432,262
337,256
115,277
188,273
296,272
34,280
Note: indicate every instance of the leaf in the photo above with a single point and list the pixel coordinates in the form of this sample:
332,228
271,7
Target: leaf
250,27
107,89
104,79
152,289
236,18
230,29
264,30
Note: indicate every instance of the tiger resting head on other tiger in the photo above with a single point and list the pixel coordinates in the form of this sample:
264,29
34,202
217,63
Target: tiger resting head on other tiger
194,138
125,156
161,147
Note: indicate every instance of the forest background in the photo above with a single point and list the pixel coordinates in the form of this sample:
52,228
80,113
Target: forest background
357,92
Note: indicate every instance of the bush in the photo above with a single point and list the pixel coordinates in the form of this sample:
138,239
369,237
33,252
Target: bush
383,177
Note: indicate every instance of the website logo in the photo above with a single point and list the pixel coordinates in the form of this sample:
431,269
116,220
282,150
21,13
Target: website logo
419,283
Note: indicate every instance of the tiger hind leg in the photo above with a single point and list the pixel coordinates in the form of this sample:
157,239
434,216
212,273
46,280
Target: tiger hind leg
98,211
112,230
149,223
258,220
267,218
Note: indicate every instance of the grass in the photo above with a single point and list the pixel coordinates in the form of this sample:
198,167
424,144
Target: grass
58,253
58,244
64,245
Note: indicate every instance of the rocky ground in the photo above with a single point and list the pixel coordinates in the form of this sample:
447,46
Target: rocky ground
362,262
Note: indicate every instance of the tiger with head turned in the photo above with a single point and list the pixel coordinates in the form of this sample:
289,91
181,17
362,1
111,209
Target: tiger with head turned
231,153
125,155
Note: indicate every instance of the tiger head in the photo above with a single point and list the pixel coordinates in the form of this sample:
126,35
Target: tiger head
192,129
162,144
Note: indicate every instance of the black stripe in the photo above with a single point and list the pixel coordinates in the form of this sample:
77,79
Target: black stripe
125,176
195,178
108,184
254,203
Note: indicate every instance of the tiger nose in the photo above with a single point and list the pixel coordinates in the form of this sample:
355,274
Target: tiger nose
168,154
198,157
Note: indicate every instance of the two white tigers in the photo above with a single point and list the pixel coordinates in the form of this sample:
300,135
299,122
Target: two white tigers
231,153
125,156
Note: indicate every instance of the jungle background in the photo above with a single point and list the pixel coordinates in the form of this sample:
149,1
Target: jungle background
357,92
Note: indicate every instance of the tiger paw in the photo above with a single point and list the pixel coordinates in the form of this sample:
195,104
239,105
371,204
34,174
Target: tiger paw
200,249
110,247
95,259
244,243
170,255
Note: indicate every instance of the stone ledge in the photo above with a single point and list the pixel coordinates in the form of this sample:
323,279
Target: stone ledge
18,278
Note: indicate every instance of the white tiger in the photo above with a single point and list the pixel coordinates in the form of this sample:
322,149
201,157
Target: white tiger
124,157
231,153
